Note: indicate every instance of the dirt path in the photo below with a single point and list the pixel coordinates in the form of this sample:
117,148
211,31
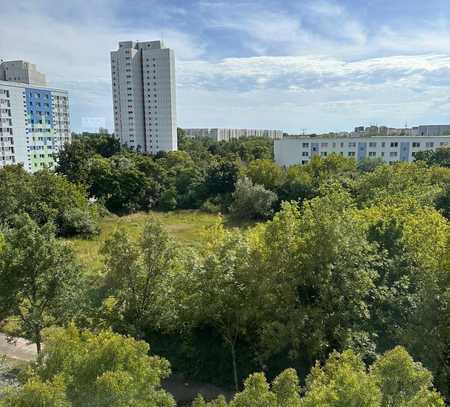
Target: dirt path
20,349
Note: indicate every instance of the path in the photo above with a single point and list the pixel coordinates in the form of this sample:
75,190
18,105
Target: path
20,349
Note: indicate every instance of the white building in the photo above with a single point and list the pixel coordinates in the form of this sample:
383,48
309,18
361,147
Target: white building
143,85
223,134
300,149
34,119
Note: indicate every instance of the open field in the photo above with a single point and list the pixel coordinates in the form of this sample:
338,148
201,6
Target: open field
186,226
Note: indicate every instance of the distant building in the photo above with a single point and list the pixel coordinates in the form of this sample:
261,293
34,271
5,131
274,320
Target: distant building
22,72
34,119
143,85
299,150
432,130
223,134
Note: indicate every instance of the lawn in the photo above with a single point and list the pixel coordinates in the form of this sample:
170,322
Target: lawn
187,227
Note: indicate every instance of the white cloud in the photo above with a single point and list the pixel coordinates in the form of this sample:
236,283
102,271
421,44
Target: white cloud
317,93
73,47
309,71
320,68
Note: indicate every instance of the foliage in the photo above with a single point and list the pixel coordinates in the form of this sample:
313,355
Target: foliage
219,291
46,197
394,380
252,201
39,278
402,381
83,369
74,156
341,382
137,275
265,173
440,157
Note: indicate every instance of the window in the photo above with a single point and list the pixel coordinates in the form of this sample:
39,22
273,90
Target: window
394,144
324,145
383,144
416,144
372,144
429,144
323,153
372,153
351,153
305,154
393,154
352,144
305,145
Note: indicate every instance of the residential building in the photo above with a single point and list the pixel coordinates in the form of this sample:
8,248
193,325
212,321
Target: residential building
144,99
223,134
300,149
432,130
34,119
22,72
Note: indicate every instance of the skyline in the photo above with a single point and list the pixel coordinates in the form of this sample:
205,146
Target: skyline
322,66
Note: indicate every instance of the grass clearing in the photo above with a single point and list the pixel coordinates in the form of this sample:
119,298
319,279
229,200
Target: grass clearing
187,227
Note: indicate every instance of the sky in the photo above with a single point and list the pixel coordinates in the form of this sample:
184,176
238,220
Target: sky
294,65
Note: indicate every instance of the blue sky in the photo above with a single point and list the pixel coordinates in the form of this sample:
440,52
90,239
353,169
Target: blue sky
319,65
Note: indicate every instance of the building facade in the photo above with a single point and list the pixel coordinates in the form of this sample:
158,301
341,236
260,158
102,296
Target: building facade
22,72
432,130
299,150
224,134
34,121
144,99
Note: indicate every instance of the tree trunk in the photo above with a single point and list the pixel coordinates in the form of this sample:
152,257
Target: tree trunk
38,341
233,357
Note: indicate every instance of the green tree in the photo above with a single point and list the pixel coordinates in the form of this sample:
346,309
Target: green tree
46,197
390,183
266,173
138,275
40,281
219,290
74,157
36,393
402,381
284,392
341,382
222,177
83,369
440,157
121,183
316,274
409,302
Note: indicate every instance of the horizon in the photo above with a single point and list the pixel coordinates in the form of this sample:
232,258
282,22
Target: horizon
322,66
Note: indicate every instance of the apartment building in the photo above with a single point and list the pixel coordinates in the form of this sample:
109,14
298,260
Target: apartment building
144,99
34,119
22,72
224,134
432,130
300,149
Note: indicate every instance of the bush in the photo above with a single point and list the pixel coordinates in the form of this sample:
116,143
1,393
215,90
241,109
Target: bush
210,206
76,221
252,201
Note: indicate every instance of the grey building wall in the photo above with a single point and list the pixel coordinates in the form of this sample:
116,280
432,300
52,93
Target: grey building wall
144,96
22,72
